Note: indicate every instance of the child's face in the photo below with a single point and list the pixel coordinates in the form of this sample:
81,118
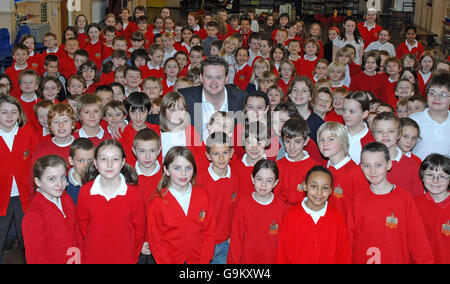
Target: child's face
78,60
283,21
264,182
278,119
109,36
410,35
135,44
157,57
242,57
142,26
51,68
254,45
371,65
52,182
113,116
435,99
385,131
155,109
169,24
109,162
329,144
318,188
256,109
214,50
20,56
94,34
332,34
28,84
172,68
61,125
402,111
81,22
105,96
81,160
258,69
168,42
415,106
286,71
110,21
315,30
436,181
69,34
183,60
195,58
300,94
392,69
335,75
88,74
165,12
323,103
73,105
186,35
195,42
294,147
119,61
427,64
409,76
90,115
139,61
211,31
192,22
49,42
138,118
294,48
292,31
147,152
264,84
321,70
29,42
118,94
124,15
280,37
120,45
344,59
220,156
180,172
383,59
152,90
353,114
176,114
234,23
221,124
158,24
230,47
375,166
50,91
254,148
9,115
264,48
408,62
384,37
277,55
42,116
133,79
404,90
270,21
408,138
274,97
118,77
245,26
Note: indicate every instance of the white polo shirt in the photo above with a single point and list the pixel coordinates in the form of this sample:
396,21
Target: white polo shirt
435,137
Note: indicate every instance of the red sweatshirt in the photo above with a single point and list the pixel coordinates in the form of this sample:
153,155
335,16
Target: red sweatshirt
242,77
292,175
364,82
284,86
244,173
388,229
147,72
254,232
177,238
113,230
96,53
371,35
405,173
96,139
13,74
17,163
422,84
223,194
436,218
306,67
402,50
36,62
67,67
303,241
334,116
29,112
49,234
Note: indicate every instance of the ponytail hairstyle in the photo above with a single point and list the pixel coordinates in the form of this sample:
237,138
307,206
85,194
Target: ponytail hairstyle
173,153
91,172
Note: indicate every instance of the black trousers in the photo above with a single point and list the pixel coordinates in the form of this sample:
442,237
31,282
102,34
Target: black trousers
14,214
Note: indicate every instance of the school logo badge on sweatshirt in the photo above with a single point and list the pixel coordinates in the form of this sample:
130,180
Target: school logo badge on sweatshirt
446,229
338,192
391,221
273,229
97,55
300,187
26,154
233,197
201,216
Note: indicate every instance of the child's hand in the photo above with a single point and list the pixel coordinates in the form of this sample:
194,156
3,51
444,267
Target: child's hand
146,249
116,131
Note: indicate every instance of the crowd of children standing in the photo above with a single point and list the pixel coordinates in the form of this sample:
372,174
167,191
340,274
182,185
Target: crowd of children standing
342,157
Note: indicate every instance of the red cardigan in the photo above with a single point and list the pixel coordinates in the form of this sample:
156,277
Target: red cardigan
436,218
254,233
48,234
303,241
17,163
364,82
113,230
175,238
388,229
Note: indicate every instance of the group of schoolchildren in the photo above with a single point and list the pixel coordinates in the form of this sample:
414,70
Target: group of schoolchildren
343,156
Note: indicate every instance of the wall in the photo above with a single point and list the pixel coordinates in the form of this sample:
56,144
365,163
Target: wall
430,18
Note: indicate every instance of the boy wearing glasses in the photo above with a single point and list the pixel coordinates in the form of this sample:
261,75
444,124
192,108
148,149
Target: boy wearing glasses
434,121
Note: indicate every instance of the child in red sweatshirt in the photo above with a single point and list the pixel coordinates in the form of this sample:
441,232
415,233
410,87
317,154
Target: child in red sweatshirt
385,225
434,206
50,227
314,224
257,220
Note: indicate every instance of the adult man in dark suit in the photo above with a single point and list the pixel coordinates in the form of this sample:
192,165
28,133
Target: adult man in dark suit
213,95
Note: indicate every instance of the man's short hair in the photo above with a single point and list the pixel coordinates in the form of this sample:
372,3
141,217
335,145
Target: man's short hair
216,61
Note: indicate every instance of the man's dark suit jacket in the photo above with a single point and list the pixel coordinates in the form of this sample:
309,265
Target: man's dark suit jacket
193,95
